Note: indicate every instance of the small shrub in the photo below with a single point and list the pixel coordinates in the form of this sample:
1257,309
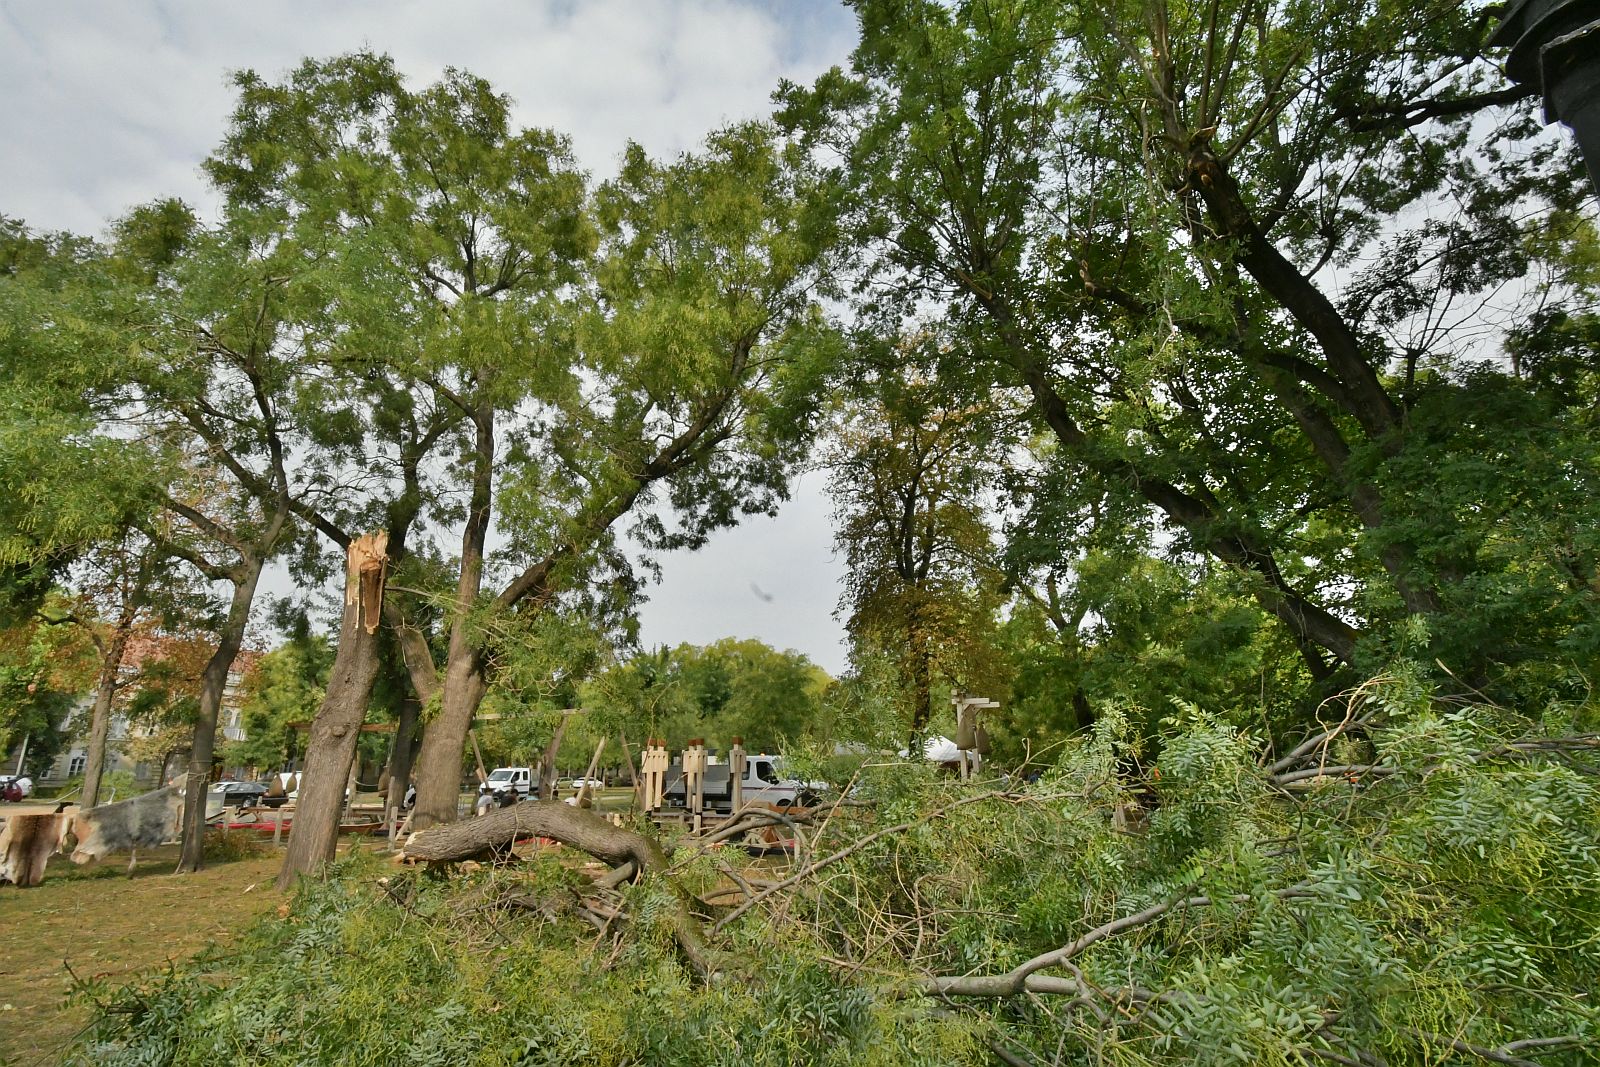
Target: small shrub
226,846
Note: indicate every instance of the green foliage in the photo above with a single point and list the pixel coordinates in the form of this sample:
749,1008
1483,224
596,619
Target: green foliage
43,670
370,971
1291,292
1446,891
286,685
911,470
730,688
227,846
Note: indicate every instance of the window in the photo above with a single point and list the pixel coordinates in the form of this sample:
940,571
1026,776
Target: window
75,765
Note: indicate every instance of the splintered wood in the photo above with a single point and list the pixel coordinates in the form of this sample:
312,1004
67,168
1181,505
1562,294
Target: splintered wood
368,566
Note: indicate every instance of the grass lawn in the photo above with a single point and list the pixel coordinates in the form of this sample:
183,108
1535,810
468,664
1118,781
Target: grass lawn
99,921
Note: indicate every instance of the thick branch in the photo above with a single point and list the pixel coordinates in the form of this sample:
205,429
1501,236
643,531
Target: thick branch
1367,117
580,829
1023,978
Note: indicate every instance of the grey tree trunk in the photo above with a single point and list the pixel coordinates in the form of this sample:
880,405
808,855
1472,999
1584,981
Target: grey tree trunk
212,685
439,756
331,748
100,716
400,753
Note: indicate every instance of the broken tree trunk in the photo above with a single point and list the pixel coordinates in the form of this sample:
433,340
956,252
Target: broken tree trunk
332,745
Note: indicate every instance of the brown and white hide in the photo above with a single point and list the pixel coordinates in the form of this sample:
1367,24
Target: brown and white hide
128,825
26,844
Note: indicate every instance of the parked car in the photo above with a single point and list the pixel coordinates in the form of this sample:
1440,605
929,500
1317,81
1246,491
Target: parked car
238,794
579,783
23,783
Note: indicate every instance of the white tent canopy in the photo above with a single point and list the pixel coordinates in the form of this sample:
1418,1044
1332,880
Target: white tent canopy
937,749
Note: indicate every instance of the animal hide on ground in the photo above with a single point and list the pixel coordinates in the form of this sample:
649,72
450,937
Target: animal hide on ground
140,822
26,844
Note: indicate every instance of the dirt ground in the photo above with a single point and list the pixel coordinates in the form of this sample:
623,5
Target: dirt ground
98,921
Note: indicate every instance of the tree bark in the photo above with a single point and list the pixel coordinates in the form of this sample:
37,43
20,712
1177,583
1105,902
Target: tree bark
400,753
337,726
570,825
439,760
100,717
213,682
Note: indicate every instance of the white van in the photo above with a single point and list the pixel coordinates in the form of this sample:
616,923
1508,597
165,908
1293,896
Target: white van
519,780
764,782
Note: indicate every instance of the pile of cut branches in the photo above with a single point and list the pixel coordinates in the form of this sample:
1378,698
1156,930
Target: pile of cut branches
1413,884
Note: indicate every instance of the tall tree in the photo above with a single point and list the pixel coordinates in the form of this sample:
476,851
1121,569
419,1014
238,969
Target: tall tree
217,377
580,385
913,476
1243,259
124,589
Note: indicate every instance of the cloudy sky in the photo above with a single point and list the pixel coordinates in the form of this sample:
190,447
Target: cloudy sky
114,103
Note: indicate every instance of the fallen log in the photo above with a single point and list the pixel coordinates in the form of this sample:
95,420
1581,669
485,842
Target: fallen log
577,828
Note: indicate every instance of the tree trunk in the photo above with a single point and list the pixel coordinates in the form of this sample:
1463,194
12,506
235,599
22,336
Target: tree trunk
921,677
438,766
100,717
331,749
547,765
536,818
212,685
439,761
400,753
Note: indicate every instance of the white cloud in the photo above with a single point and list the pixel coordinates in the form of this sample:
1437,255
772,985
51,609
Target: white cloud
115,103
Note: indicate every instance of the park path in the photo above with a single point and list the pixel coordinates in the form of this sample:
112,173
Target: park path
103,923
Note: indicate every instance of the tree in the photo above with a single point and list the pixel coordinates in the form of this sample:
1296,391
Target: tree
662,368
912,473
43,669
126,588
215,366
1132,211
731,688
80,496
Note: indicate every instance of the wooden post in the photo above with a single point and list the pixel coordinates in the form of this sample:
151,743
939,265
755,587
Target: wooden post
655,764
583,790
694,780
477,753
736,768
633,771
